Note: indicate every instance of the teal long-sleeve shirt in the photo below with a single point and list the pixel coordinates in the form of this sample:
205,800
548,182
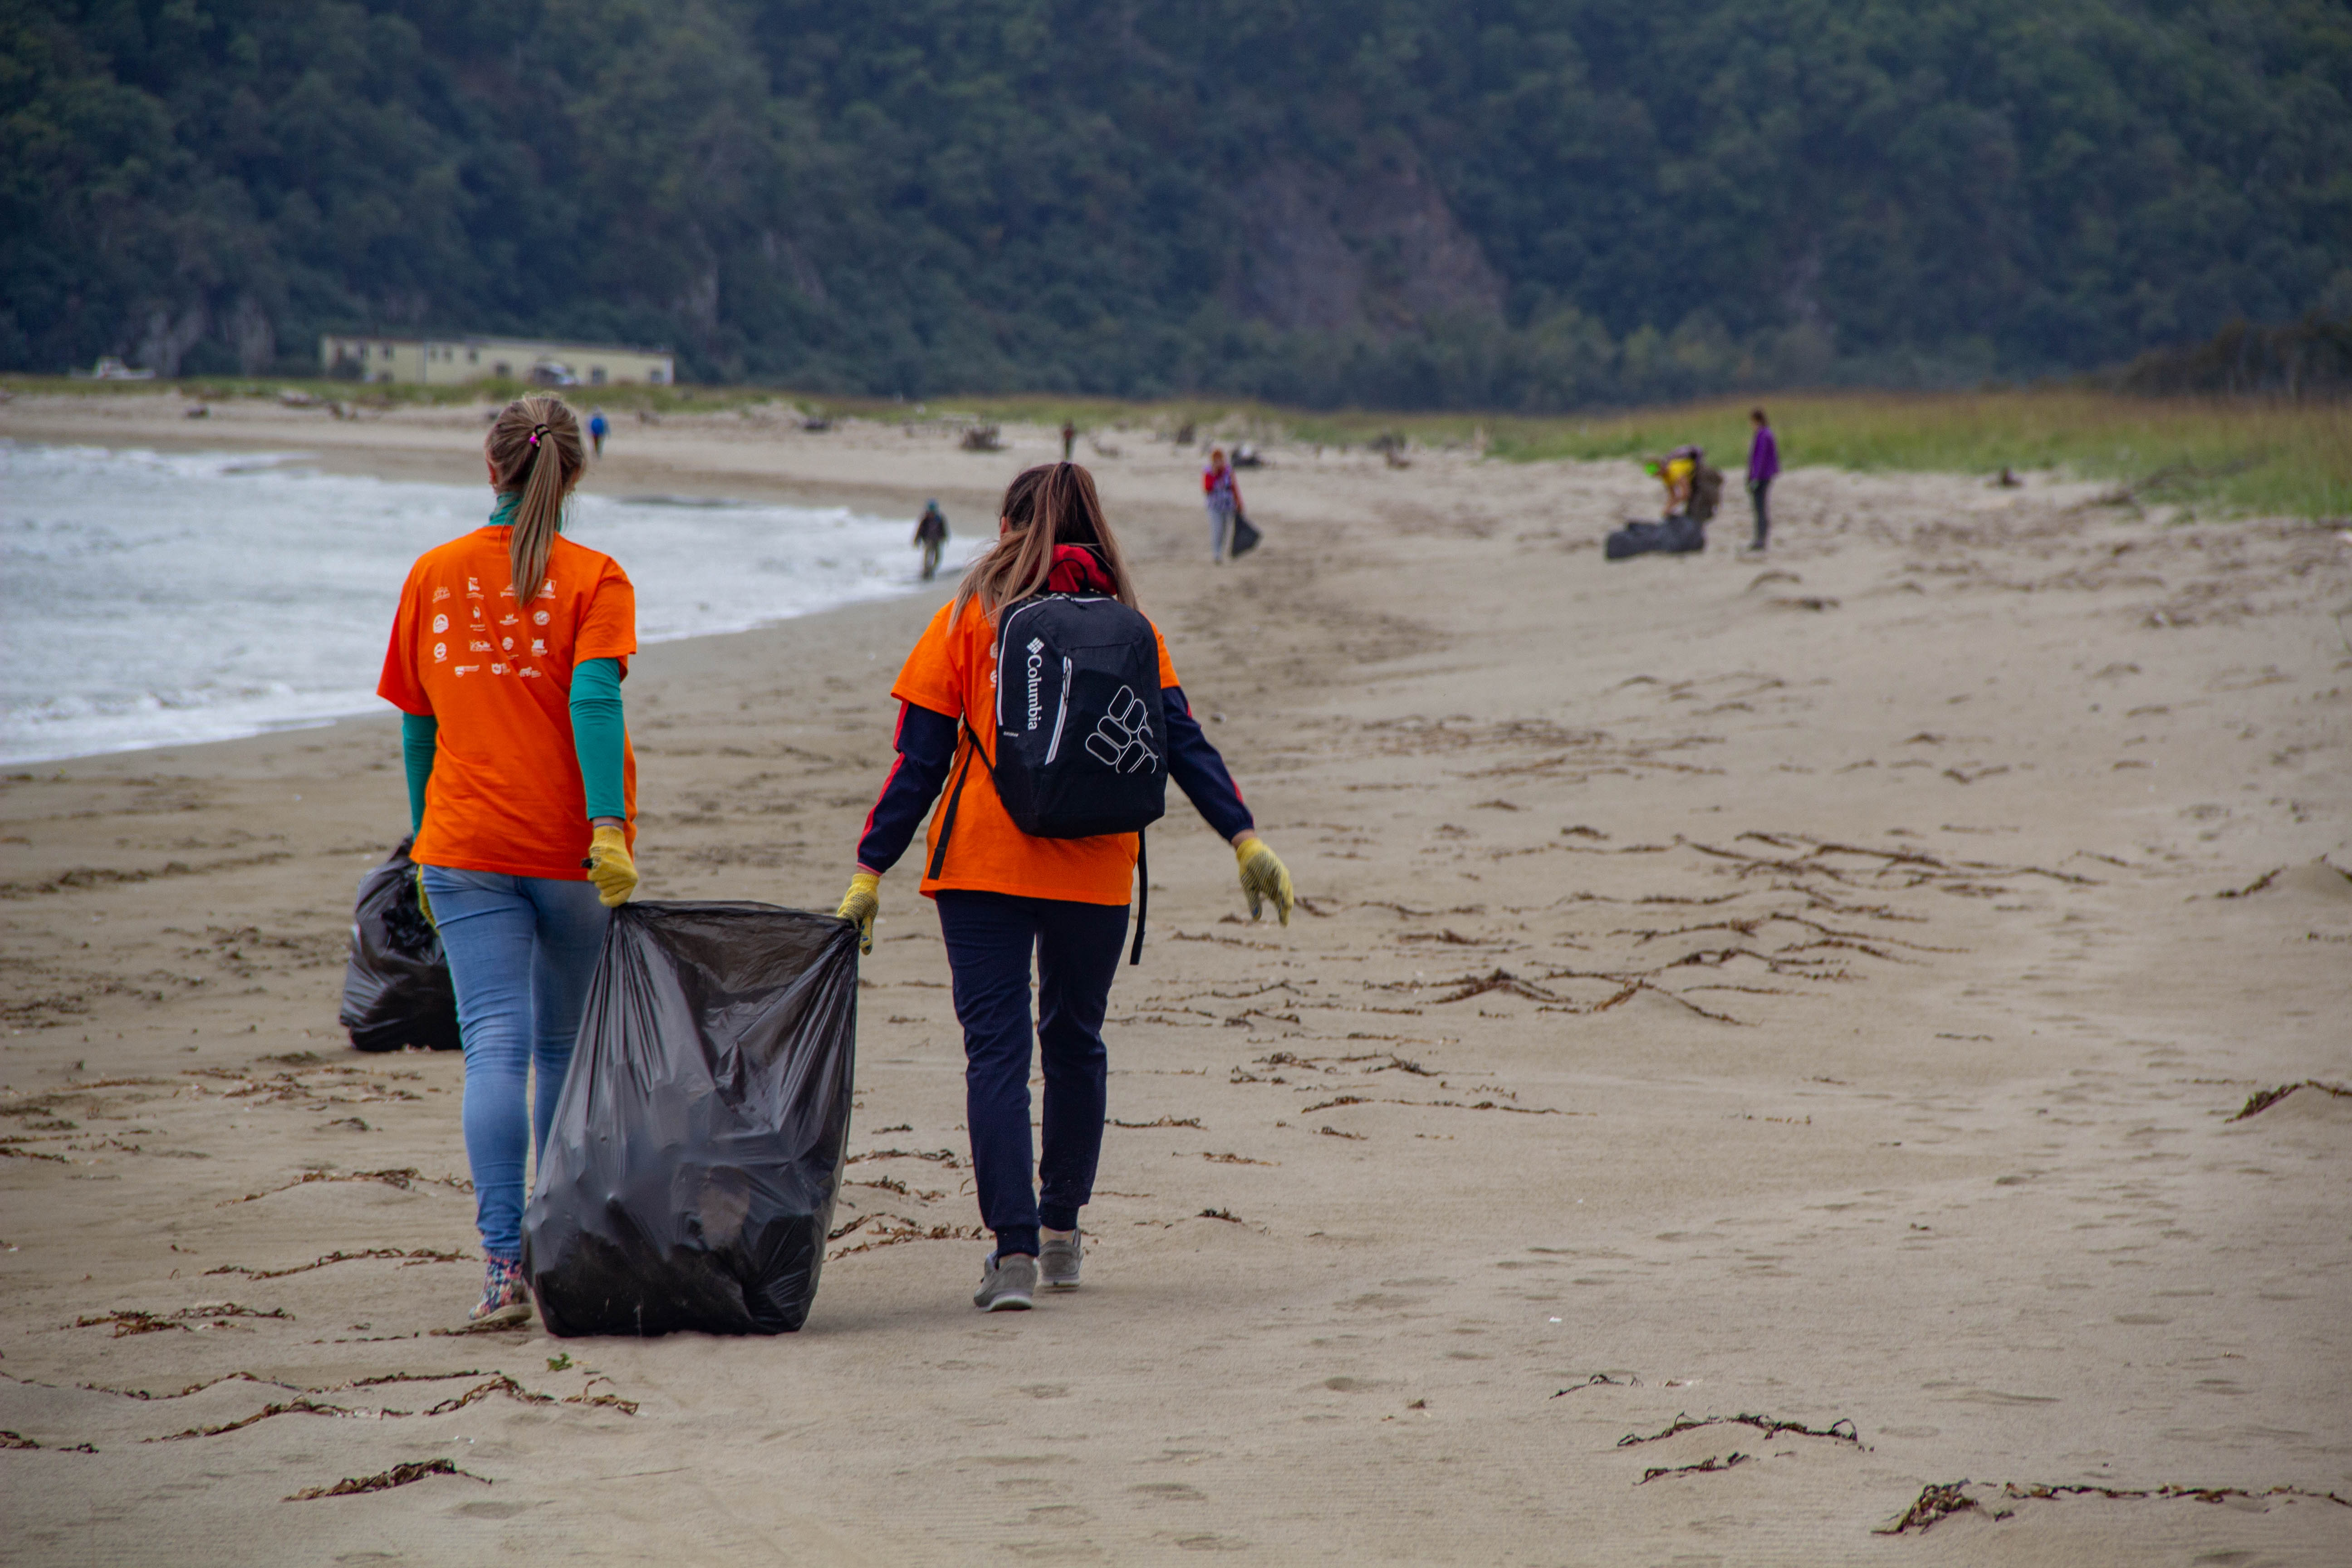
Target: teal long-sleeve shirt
599,734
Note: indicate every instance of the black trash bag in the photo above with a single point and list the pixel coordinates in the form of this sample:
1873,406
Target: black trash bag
1676,535
688,1180
1246,536
397,989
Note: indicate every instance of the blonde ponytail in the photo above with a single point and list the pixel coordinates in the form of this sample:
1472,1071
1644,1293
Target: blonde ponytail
534,444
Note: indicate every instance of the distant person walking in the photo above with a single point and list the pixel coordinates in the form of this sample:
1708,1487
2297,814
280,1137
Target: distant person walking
1763,467
931,537
506,661
598,429
1069,439
1224,498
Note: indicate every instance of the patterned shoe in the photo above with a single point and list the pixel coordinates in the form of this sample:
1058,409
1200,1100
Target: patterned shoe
506,1300
1058,1258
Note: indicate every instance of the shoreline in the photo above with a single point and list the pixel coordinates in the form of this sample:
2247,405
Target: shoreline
327,461
1822,988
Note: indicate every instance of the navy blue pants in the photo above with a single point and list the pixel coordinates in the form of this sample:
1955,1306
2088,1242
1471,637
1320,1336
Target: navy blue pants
990,940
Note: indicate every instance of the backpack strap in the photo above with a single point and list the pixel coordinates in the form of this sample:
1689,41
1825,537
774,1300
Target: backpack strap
955,799
1142,897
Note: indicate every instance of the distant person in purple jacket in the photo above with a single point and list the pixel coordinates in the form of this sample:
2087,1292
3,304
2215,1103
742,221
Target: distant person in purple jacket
1763,467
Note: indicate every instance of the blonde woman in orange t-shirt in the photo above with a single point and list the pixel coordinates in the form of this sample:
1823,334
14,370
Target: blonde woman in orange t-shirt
1005,897
506,661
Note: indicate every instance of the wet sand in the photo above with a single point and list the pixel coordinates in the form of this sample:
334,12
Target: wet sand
1820,991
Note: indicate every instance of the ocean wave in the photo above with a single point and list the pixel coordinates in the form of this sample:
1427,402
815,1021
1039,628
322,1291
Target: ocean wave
161,599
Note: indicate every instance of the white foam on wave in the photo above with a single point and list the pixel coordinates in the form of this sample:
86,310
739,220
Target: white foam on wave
151,599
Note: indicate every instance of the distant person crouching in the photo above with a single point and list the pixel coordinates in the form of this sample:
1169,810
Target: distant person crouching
598,429
931,537
1763,467
1222,497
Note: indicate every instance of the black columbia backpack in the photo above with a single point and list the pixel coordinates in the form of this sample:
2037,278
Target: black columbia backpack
1079,745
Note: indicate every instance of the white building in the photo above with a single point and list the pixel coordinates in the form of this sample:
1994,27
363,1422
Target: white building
450,361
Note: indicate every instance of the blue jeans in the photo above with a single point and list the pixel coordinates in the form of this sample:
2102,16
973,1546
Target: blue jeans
521,951
990,938
1220,524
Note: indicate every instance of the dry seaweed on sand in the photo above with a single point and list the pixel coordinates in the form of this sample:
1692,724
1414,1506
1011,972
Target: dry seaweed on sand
398,1475
18,1440
2258,1103
1842,1428
1709,1466
132,1322
415,1256
1600,1379
405,1177
1936,1501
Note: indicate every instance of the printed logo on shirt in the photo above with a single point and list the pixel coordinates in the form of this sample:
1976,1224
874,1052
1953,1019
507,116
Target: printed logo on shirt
498,670
538,647
440,652
464,668
473,587
528,673
440,625
509,620
439,594
507,644
478,647
548,591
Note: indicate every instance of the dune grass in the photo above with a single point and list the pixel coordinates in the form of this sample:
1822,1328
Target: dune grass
2207,455
2217,457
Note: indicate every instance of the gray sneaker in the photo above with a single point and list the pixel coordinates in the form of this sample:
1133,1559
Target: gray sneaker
1059,1258
1007,1284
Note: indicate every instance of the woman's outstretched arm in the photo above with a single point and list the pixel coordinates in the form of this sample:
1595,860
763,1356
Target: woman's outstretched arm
1200,772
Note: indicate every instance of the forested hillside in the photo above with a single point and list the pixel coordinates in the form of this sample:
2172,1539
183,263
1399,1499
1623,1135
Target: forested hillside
1531,204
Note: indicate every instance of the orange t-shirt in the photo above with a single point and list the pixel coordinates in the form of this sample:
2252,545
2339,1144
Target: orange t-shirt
954,671
506,794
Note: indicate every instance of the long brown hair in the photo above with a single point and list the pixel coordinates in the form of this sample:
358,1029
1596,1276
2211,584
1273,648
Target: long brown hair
1053,503
534,444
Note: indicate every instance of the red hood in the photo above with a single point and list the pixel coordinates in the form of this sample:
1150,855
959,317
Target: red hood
1078,570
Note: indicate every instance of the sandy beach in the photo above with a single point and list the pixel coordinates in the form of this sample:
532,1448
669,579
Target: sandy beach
1763,1041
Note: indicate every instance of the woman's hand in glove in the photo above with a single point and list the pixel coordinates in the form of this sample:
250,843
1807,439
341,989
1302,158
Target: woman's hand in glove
610,867
1263,877
860,905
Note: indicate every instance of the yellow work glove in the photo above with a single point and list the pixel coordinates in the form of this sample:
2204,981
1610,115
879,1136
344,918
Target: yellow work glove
860,905
424,904
1263,877
610,867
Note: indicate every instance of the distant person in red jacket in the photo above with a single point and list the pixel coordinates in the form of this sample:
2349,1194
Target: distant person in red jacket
1763,467
1223,499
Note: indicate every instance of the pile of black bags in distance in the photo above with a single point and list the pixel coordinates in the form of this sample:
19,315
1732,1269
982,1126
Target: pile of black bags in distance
397,989
688,1181
1676,534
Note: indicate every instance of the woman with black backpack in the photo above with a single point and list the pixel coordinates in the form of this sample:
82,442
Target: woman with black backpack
1046,756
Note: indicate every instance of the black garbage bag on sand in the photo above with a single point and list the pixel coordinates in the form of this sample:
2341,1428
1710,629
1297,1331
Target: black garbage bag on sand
1676,535
688,1180
397,989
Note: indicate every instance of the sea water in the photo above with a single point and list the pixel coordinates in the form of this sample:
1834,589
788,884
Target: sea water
149,598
